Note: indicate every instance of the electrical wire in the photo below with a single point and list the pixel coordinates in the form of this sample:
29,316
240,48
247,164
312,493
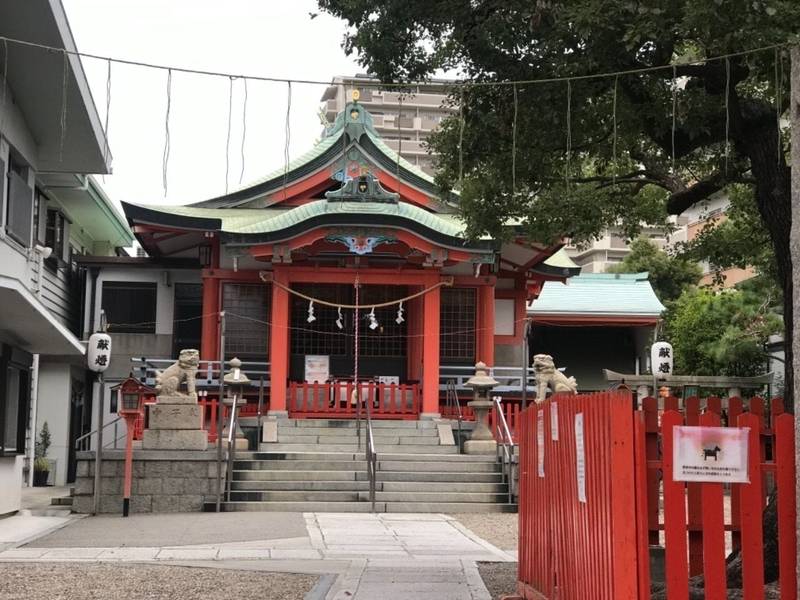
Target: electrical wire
378,84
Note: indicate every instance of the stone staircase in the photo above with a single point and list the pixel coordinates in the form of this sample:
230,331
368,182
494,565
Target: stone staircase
316,466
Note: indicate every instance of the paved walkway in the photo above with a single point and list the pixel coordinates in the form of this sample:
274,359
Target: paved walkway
391,556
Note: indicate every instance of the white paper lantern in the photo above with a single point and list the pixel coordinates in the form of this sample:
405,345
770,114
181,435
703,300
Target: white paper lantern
98,354
661,359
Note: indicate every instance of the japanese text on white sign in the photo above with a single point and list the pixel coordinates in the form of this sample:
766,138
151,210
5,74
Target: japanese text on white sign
710,454
540,442
580,455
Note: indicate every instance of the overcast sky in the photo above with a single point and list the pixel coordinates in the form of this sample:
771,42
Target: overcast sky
250,37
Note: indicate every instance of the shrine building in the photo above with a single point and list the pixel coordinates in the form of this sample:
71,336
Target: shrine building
289,257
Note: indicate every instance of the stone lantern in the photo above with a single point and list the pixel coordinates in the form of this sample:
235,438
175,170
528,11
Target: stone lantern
482,441
235,382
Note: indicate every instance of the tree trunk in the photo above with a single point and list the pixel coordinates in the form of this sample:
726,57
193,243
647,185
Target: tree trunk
757,138
794,243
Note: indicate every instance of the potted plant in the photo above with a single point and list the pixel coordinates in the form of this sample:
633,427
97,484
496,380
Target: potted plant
41,466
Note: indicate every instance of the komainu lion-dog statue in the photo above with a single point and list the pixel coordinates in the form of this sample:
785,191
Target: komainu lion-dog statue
548,376
168,381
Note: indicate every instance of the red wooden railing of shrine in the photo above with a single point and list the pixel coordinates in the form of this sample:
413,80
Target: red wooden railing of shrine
334,400
512,409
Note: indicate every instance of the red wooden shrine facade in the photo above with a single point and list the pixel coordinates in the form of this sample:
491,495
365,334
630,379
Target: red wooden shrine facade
281,258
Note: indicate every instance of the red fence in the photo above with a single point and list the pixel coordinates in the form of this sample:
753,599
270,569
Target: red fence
570,548
334,400
600,547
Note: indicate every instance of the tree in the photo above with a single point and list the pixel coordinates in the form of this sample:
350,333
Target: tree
721,333
669,275
574,158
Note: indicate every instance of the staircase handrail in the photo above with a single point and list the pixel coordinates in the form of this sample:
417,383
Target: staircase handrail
372,461
233,424
506,442
451,398
79,440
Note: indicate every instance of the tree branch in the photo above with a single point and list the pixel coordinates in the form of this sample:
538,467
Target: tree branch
681,200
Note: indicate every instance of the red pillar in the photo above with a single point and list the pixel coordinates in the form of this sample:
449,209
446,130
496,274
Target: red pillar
486,325
414,319
209,343
430,353
279,344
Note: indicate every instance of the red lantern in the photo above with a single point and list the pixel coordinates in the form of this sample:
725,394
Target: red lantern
131,396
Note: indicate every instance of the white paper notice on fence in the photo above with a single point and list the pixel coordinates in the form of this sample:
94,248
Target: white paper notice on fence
580,458
710,454
554,421
318,368
540,441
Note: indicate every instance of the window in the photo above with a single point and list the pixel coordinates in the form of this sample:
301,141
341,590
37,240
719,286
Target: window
130,306
322,335
19,205
389,338
55,237
247,309
457,325
14,396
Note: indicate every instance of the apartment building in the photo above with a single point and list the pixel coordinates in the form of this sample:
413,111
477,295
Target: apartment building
611,247
404,121
50,212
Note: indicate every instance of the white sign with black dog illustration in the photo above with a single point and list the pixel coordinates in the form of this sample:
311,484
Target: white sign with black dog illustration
710,454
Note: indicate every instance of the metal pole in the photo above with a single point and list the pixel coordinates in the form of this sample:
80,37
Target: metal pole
220,405
355,368
98,449
525,357
260,409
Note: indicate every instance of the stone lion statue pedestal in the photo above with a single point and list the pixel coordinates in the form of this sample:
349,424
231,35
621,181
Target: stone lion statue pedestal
175,421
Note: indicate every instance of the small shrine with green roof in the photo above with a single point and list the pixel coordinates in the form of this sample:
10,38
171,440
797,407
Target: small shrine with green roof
346,264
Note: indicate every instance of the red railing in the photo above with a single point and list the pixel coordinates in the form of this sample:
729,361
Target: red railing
600,547
334,400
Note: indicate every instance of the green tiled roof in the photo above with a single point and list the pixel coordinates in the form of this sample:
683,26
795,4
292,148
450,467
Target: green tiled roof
599,294
268,220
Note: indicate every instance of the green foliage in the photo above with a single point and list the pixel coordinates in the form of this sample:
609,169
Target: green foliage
621,165
42,445
40,465
669,275
721,333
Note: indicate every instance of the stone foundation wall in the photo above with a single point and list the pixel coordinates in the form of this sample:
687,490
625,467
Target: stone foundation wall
163,481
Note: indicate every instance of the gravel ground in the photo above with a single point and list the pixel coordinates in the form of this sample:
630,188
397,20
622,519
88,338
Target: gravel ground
499,529
31,581
499,578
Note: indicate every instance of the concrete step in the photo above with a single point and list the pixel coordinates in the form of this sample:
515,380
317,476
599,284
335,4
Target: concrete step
394,507
359,455
350,423
287,475
361,465
440,476
361,475
61,501
352,432
353,448
315,486
415,466
295,496
335,440
363,486
437,497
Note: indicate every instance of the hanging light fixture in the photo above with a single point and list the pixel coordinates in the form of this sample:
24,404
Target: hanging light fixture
399,318
311,318
339,320
373,322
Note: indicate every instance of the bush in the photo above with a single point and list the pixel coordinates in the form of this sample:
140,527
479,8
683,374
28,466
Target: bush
40,465
42,445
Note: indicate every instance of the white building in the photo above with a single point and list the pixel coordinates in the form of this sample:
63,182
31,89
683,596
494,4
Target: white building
404,121
50,212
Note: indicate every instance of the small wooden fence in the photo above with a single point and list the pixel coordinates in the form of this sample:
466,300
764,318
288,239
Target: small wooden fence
334,400
594,473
